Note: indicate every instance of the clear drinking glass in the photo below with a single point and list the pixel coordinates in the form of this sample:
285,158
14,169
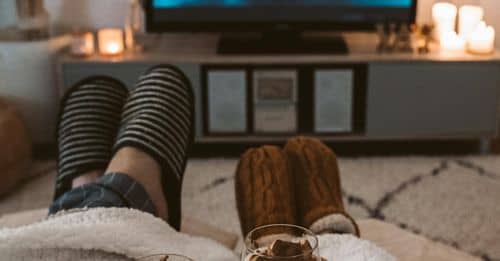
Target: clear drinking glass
262,238
165,257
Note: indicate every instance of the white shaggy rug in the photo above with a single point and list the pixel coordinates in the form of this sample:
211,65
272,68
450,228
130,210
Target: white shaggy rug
455,201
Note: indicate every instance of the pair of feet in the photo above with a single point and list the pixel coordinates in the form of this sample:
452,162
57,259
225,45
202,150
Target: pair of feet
298,185
144,134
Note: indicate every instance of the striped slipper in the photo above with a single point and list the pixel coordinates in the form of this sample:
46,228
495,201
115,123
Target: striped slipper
158,119
87,126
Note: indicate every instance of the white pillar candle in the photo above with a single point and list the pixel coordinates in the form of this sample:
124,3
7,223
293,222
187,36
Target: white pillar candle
110,41
482,39
452,43
444,16
469,17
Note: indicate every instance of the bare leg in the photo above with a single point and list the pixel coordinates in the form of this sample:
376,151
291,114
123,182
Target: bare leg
86,178
143,169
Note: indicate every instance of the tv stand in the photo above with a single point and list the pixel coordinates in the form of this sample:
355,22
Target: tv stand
405,98
281,42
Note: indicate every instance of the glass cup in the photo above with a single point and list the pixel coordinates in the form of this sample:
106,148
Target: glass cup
260,240
165,257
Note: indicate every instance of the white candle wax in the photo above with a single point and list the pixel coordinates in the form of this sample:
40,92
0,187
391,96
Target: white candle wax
452,43
444,16
482,39
469,17
110,41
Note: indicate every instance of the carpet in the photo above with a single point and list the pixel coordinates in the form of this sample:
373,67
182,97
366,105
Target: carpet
452,200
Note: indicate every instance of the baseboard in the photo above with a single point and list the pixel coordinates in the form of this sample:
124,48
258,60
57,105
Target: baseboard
341,148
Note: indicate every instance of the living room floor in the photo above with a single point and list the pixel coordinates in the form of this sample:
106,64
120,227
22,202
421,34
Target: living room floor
453,200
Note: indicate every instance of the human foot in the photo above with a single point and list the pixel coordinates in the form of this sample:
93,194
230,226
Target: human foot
86,178
158,119
88,123
264,189
144,169
318,187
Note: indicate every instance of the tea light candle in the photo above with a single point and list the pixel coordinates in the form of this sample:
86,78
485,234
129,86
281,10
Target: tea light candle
444,16
111,41
481,40
452,43
469,17
82,44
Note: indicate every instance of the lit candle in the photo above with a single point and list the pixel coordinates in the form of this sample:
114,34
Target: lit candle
469,17
452,43
482,39
82,44
444,16
111,41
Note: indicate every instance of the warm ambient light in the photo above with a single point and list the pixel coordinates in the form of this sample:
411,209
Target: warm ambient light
111,41
452,43
469,17
82,44
482,39
444,16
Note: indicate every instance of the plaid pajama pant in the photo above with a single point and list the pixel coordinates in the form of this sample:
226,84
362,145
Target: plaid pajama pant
111,190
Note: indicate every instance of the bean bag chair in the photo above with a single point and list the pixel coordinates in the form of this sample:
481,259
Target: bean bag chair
15,148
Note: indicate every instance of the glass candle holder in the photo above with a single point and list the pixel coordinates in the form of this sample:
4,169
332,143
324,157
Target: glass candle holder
82,44
110,42
261,243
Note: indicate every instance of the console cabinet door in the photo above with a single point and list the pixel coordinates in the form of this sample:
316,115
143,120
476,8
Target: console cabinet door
432,99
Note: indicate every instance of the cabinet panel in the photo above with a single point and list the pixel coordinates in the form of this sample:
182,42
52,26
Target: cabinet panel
432,99
227,101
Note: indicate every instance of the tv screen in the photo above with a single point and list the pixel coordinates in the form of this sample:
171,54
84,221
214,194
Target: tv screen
222,15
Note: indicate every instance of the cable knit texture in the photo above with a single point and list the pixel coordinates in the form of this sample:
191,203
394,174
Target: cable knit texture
264,189
317,181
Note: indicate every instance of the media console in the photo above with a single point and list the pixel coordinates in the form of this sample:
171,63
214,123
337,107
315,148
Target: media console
363,96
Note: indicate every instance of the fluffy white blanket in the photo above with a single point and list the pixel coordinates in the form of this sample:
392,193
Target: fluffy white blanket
133,234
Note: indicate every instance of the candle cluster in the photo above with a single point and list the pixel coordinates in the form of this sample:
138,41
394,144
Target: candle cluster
110,43
473,33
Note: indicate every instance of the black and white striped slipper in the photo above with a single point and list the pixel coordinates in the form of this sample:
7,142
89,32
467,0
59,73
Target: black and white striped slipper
88,123
158,119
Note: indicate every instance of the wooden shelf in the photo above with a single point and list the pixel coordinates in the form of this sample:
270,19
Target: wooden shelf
200,48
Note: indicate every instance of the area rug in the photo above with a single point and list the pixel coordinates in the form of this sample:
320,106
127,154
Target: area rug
453,200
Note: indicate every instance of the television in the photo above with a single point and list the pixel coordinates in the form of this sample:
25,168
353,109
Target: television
278,19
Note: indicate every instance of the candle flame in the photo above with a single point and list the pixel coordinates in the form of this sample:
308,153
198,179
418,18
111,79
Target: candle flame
113,48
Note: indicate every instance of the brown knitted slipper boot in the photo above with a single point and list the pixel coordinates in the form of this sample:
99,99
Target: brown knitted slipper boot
264,189
317,187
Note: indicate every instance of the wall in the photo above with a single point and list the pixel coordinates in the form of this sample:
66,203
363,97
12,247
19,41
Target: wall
88,13
99,13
